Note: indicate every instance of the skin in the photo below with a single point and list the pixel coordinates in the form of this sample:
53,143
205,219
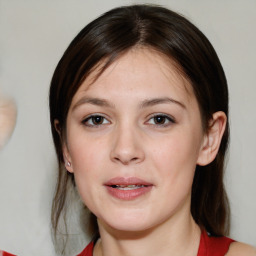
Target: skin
127,140
8,115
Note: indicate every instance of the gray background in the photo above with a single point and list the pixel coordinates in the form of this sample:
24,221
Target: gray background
34,35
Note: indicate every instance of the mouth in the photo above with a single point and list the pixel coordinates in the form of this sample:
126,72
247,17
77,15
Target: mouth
127,188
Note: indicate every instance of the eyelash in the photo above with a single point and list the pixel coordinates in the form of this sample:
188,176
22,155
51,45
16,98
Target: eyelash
166,118
90,119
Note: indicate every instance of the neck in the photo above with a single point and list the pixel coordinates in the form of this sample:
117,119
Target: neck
173,237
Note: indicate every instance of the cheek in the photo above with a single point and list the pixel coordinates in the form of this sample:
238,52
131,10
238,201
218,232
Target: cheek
83,157
175,159
179,148
86,163
88,157
86,151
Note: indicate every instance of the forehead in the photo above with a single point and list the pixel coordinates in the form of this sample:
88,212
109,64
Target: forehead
139,69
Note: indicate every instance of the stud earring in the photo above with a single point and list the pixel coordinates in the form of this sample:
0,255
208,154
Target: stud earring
68,164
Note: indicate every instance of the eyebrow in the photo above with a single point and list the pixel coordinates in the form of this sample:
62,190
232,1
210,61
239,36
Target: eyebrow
144,104
156,101
93,101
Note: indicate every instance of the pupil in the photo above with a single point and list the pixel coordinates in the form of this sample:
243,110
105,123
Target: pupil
97,119
159,119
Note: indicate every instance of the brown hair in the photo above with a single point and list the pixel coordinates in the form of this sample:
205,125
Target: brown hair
107,38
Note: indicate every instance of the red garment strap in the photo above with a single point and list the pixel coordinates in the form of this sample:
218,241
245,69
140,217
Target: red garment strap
88,251
3,253
213,246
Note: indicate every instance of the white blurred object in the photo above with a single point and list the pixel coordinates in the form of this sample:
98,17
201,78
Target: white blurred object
8,114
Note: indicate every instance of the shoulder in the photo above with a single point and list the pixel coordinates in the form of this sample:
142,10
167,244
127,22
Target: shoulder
238,249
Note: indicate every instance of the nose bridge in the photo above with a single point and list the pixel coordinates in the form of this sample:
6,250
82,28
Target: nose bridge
127,147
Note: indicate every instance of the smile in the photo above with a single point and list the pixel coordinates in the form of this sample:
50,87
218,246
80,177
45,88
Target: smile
127,188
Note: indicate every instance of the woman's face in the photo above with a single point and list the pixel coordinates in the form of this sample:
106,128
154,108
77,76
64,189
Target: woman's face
134,137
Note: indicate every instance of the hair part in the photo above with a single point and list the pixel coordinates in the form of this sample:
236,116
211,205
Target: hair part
110,36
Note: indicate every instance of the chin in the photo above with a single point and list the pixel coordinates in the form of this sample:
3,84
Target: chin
133,227
128,222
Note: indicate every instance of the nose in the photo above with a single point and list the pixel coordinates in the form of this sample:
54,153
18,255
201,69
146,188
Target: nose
127,147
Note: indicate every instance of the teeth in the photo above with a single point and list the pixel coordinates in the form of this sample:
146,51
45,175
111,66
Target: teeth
127,187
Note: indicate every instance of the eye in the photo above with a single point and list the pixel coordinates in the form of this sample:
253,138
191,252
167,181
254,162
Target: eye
161,120
95,120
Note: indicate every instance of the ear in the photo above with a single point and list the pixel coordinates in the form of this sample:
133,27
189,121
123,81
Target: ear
57,126
67,158
212,138
65,151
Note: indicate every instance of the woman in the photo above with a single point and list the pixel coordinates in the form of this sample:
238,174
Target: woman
139,117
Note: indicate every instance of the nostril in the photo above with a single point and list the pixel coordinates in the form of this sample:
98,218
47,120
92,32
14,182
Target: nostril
126,152
126,161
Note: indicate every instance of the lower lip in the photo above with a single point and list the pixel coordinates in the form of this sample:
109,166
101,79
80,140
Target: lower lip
128,194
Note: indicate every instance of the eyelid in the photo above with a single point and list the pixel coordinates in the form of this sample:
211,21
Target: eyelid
87,118
170,118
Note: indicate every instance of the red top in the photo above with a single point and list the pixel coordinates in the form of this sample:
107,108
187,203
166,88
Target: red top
213,246
3,253
209,246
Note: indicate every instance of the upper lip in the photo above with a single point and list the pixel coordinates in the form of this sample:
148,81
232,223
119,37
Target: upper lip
127,181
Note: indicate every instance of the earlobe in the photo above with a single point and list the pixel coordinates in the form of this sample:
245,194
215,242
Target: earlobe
212,139
67,160
68,166
66,157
